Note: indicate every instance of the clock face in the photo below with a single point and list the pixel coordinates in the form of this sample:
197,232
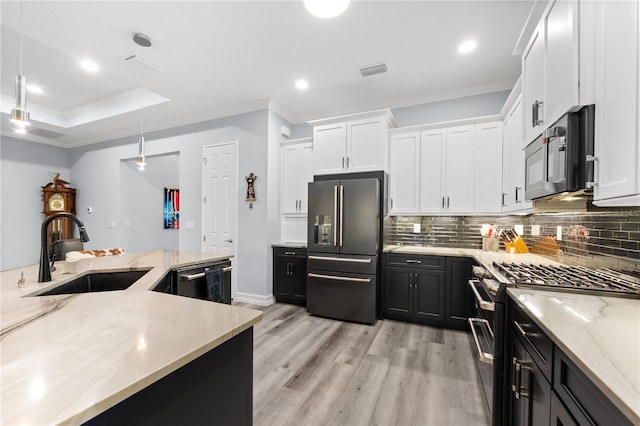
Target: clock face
56,202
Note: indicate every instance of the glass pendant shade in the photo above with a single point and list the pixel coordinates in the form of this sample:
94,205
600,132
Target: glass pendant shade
19,114
140,160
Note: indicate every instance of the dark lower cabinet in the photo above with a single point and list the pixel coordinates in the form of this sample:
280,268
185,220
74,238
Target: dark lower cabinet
458,298
427,289
290,275
530,391
543,386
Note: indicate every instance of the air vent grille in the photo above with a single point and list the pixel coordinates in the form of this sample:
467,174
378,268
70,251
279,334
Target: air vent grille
373,69
148,68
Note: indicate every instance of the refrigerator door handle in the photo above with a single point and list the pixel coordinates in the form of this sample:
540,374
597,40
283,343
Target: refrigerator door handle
341,212
335,215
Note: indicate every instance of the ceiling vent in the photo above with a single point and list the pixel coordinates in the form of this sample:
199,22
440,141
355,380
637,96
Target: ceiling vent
373,69
148,68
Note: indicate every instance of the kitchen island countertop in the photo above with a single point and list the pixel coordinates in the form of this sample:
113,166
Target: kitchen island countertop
67,358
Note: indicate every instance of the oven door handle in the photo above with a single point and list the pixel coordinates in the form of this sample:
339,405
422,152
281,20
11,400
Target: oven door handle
485,357
482,304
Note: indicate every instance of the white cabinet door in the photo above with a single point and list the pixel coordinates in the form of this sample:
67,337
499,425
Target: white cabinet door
487,182
404,173
289,179
533,75
513,161
459,169
562,60
366,145
305,174
329,148
617,137
295,175
432,166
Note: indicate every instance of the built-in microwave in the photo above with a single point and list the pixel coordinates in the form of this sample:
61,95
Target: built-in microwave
561,159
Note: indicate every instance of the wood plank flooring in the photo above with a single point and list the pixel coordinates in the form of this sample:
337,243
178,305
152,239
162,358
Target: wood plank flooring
316,371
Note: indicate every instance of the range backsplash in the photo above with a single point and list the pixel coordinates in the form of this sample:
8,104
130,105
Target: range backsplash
596,239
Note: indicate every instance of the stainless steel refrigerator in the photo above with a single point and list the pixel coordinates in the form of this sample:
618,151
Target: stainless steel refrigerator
343,245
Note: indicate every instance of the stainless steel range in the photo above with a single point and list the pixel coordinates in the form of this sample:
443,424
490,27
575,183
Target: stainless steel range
489,328
572,278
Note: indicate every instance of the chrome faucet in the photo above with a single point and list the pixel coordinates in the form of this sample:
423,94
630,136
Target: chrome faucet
44,273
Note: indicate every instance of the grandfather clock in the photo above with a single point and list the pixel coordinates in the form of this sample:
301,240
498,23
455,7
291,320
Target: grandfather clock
58,198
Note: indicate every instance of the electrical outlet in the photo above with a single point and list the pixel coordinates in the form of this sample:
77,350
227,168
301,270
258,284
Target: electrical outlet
112,223
416,228
190,224
519,229
558,233
127,223
535,230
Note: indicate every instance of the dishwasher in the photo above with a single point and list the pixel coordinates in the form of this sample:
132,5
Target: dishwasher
191,281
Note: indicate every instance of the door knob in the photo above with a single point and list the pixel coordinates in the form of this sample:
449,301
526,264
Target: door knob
228,241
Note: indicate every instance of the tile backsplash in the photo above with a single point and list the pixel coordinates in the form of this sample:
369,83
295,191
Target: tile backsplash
594,239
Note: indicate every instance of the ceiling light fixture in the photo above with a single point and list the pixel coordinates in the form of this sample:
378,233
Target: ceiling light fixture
88,65
19,114
143,41
467,46
302,84
326,8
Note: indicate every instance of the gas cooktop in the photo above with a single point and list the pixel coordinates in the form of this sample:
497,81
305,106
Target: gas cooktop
572,278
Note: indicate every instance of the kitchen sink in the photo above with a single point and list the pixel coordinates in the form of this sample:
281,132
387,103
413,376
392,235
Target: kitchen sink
98,281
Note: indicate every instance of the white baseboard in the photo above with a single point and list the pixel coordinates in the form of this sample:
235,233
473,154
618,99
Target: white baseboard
254,299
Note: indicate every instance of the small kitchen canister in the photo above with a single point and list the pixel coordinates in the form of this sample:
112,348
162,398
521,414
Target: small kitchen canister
490,243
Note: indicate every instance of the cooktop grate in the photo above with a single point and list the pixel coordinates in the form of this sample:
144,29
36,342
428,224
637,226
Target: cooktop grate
571,277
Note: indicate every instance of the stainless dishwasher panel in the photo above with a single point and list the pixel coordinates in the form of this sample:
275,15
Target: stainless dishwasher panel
344,296
190,282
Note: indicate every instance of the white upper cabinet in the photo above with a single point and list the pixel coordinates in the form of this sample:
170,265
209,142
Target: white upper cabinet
349,144
296,174
446,166
487,182
459,170
557,65
404,173
513,161
533,84
617,126
433,159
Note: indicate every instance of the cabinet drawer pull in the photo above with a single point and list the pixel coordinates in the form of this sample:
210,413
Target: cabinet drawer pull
414,261
290,253
340,259
521,330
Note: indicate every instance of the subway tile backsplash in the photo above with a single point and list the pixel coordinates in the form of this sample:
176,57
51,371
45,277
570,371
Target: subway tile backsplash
594,239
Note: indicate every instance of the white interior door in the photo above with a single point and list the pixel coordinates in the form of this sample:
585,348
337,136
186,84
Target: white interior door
219,206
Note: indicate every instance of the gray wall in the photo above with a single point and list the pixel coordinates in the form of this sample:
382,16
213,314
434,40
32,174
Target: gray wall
23,169
97,169
451,109
141,215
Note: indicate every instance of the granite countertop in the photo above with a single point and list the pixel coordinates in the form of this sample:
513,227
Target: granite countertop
67,358
600,334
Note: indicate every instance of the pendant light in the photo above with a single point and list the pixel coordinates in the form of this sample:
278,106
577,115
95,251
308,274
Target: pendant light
326,8
143,41
19,114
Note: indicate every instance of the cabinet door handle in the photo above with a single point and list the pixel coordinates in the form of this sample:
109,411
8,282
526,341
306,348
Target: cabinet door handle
391,202
290,268
443,203
447,201
535,116
503,204
518,194
347,161
343,162
596,163
515,377
521,330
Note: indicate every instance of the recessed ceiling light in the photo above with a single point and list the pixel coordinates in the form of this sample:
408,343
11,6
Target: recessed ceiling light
326,8
88,65
302,84
467,46
32,88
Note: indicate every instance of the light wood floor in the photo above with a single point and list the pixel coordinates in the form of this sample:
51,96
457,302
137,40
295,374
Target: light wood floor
316,371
